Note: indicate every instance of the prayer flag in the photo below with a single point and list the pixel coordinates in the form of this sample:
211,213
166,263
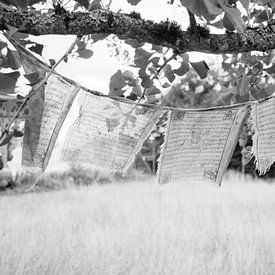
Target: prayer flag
263,139
108,133
198,145
47,108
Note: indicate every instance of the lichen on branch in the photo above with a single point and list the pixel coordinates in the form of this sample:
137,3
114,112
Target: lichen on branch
130,26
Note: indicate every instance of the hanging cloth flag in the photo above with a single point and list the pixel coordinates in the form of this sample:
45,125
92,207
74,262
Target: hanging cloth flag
108,133
263,139
47,108
198,145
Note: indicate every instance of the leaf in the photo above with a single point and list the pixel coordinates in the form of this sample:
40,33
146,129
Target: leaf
7,139
17,133
80,45
152,70
233,18
269,90
242,98
184,57
38,48
245,4
142,73
226,66
33,78
12,30
95,5
155,61
166,85
152,91
218,24
227,98
2,45
133,2
98,36
157,48
168,72
134,43
117,81
11,60
142,57
83,3
147,82
8,82
227,23
183,69
152,99
85,53
132,97
128,75
134,82
263,16
137,90
52,62
209,9
19,97
201,68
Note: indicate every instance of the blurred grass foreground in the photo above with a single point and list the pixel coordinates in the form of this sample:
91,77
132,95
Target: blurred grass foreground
141,228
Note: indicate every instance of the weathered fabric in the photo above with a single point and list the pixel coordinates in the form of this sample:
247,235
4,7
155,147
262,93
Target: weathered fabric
47,108
108,133
198,145
263,140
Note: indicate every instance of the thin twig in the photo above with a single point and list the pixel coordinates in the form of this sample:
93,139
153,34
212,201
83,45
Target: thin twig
165,63
142,96
33,185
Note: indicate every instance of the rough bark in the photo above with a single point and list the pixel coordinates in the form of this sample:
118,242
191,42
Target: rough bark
131,26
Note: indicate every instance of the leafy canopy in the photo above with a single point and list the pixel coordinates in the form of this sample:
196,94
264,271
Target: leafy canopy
245,76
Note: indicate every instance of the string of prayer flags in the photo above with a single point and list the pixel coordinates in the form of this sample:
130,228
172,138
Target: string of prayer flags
47,108
263,139
108,133
198,145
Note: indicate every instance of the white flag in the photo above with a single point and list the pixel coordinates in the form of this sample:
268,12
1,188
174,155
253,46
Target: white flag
263,140
108,133
198,145
47,108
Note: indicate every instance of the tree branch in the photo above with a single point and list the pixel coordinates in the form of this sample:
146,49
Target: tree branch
126,26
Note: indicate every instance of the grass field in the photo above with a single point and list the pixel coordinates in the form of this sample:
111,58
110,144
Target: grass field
141,228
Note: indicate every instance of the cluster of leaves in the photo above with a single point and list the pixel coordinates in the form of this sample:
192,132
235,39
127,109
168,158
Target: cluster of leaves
154,73
9,59
249,76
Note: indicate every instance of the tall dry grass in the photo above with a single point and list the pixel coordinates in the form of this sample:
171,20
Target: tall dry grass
141,228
